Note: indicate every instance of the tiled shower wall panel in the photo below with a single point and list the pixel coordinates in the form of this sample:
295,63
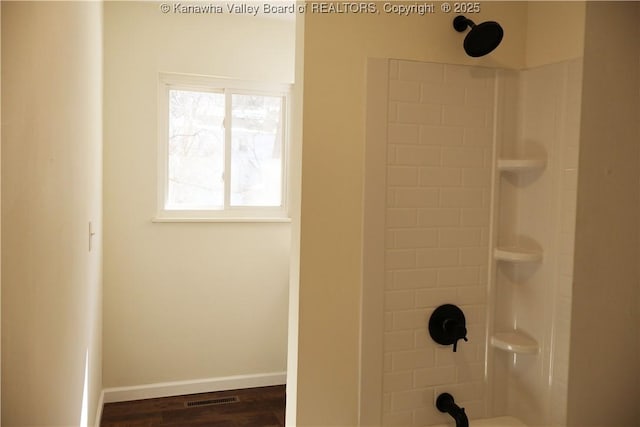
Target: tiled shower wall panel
440,138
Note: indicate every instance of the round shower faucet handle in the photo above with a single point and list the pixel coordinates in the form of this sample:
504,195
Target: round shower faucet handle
447,325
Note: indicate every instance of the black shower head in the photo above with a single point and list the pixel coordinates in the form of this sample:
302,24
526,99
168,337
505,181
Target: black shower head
482,38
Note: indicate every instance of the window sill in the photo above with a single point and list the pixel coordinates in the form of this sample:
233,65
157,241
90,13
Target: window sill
231,219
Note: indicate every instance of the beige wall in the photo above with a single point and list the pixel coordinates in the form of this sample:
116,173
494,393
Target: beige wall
336,49
51,189
0,220
554,31
184,300
295,173
603,370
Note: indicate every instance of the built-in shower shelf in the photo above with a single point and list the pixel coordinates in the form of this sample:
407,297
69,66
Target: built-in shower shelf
517,255
521,165
514,342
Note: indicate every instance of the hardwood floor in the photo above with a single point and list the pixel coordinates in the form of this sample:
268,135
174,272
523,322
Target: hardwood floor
260,407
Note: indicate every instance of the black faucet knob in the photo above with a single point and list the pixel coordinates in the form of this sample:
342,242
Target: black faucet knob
447,325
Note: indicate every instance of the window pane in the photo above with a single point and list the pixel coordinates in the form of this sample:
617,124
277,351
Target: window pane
256,150
196,150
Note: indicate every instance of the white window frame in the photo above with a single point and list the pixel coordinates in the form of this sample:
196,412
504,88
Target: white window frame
169,81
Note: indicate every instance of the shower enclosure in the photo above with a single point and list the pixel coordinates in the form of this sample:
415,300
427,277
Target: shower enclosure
476,196
471,212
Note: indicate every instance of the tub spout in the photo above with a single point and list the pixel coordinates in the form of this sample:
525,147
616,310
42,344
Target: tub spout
446,403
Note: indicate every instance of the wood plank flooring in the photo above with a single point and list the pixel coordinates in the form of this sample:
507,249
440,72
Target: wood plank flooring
259,407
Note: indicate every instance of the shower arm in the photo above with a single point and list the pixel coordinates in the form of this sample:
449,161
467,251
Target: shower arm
461,23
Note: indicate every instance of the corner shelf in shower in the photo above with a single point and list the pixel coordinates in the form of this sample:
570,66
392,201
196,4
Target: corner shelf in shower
515,342
516,255
521,165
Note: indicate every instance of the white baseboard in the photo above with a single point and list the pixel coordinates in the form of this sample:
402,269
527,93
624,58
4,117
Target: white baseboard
177,388
99,409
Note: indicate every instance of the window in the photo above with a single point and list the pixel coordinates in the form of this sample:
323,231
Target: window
222,149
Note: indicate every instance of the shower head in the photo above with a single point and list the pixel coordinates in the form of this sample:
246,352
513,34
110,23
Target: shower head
482,39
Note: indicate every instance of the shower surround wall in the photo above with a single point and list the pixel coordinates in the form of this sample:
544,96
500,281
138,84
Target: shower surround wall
539,119
446,127
439,163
